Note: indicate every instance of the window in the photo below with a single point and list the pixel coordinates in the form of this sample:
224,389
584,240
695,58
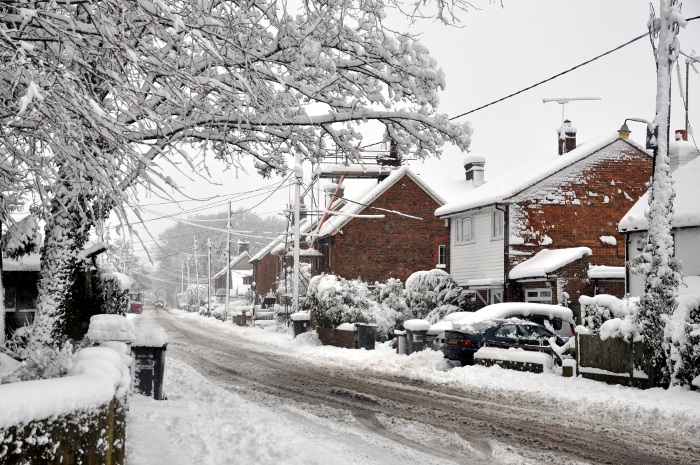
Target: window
497,224
442,256
464,230
543,296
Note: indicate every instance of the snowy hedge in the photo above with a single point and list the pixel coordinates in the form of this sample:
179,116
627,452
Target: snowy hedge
595,311
433,294
335,300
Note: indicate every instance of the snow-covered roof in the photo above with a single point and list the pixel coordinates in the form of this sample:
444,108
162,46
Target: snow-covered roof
513,309
278,242
606,272
686,211
546,261
29,262
233,263
526,174
438,190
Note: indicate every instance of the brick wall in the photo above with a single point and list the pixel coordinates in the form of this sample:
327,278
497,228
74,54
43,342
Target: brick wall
576,207
391,247
264,273
335,338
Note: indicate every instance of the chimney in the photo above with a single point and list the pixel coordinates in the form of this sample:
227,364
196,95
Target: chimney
474,169
567,138
681,134
303,211
243,246
330,188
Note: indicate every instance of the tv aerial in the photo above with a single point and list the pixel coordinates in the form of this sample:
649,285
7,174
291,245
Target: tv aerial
564,100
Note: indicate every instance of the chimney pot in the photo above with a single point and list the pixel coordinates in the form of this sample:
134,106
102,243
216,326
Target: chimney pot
567,137
474,169
681,134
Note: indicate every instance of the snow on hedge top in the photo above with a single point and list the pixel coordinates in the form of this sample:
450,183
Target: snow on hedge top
528,173
123,281
606,272
416,325
111,328
95,378
26,263
513,309
685,207
546,261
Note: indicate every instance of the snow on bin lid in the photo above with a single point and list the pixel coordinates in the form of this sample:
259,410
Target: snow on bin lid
150,337
347,327
416,325
111,328
300,316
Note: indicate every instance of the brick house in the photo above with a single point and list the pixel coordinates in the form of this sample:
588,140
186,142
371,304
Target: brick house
572,200
388,232
241,274
685,225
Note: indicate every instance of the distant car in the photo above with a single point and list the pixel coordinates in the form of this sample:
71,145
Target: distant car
160,303
461,345
135,303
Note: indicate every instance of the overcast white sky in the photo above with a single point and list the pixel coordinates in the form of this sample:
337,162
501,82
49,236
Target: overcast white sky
500,50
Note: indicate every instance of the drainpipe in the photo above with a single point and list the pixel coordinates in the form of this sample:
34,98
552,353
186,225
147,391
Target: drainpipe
506,236
627,268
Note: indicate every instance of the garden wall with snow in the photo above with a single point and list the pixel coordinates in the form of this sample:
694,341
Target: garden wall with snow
78,418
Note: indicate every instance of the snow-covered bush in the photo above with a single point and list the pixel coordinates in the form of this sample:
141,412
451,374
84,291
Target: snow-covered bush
284,281
433,294
191,296
597,310
391,298
682,335
114,291
335,300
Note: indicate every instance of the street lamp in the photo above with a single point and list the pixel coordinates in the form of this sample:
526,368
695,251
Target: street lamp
651,141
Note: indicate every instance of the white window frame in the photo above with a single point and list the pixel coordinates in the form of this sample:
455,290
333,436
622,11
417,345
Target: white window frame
442,256
498,224
459,230
542,295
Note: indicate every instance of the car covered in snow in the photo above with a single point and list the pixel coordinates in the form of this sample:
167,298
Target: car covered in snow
461,344
557,319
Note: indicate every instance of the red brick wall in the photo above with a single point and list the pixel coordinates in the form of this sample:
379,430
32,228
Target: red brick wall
610,286
335,338
264,273
392,247
551,210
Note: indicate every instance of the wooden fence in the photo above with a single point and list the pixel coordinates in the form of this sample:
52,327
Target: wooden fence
614,361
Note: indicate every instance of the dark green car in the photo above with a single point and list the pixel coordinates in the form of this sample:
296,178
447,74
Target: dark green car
461,345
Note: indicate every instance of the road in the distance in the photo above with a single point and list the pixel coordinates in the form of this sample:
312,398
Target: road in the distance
464,426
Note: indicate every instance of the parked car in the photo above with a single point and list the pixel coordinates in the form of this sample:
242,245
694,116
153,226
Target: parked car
557,319
135,303
160,303
461,345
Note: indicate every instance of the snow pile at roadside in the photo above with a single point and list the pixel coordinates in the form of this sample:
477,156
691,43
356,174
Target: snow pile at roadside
203,423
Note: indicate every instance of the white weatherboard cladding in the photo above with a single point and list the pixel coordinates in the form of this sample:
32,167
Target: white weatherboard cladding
482,259
687,247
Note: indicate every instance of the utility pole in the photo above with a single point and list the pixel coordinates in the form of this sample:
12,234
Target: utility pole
188,271
209,276
299,175
196,271
228,258
182,276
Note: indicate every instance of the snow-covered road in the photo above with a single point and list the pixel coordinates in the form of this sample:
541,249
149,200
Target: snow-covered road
244,395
